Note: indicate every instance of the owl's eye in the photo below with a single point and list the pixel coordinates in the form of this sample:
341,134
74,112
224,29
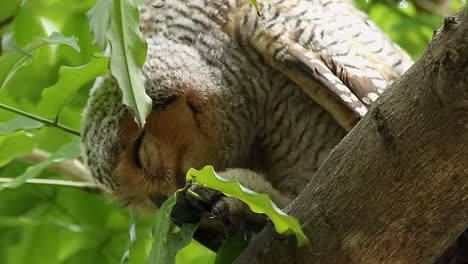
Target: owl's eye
163,101
136,152
192,108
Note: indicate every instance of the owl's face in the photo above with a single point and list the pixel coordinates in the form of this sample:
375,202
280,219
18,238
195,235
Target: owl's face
156,159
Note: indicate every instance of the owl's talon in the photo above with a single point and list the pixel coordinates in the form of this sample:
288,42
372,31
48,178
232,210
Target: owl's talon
220,208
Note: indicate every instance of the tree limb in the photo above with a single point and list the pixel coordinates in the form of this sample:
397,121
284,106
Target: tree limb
72,169
395,190
77,184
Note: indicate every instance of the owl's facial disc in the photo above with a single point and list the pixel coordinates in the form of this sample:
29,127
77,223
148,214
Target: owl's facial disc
155,160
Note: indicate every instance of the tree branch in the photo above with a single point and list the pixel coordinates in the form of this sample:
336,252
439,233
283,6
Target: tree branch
86,185
73,169
40,119
395,190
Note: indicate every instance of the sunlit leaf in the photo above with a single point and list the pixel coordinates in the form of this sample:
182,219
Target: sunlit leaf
15,145
168,239
57,38
258,203
195,253
99,21
128,53
70,80
19,123
66,152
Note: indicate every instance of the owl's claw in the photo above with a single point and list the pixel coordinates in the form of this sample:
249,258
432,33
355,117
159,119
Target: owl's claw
218,215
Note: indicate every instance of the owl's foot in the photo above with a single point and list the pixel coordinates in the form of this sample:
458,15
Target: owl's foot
219,216
235,214
237,217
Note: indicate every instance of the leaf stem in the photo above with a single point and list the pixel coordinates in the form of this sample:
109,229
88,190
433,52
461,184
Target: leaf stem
196,195
87,185
40,119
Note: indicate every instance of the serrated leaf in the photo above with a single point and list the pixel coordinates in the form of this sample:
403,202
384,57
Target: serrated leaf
99,21
65,152
168,239
258,203
19,123
128,53
15,145
70,80
58,38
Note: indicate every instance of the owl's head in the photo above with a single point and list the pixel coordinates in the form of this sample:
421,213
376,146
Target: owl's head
143,166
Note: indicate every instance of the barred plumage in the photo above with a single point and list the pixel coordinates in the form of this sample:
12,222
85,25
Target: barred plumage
245,79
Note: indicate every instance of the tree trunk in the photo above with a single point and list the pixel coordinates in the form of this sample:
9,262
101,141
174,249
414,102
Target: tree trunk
395,190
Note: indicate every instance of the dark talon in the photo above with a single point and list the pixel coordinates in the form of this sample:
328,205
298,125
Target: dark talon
188,209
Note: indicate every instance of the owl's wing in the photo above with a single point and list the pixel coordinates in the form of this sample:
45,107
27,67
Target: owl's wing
327,44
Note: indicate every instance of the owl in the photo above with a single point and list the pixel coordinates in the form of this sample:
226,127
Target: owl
262,96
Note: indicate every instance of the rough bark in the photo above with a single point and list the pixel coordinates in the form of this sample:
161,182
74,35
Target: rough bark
395,190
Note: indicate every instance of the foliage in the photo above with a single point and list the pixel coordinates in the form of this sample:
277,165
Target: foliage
168,238
49,224
258,203
126,63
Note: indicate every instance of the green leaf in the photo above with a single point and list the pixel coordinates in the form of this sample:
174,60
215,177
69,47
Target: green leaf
128,52
15,145
66,152
168,239
132,236
90,255
258,203
10,63
19,123
9,44
7,13
195,253
70,80
231,249
9,8
162,228
58,38
139,2
255,4
99,21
